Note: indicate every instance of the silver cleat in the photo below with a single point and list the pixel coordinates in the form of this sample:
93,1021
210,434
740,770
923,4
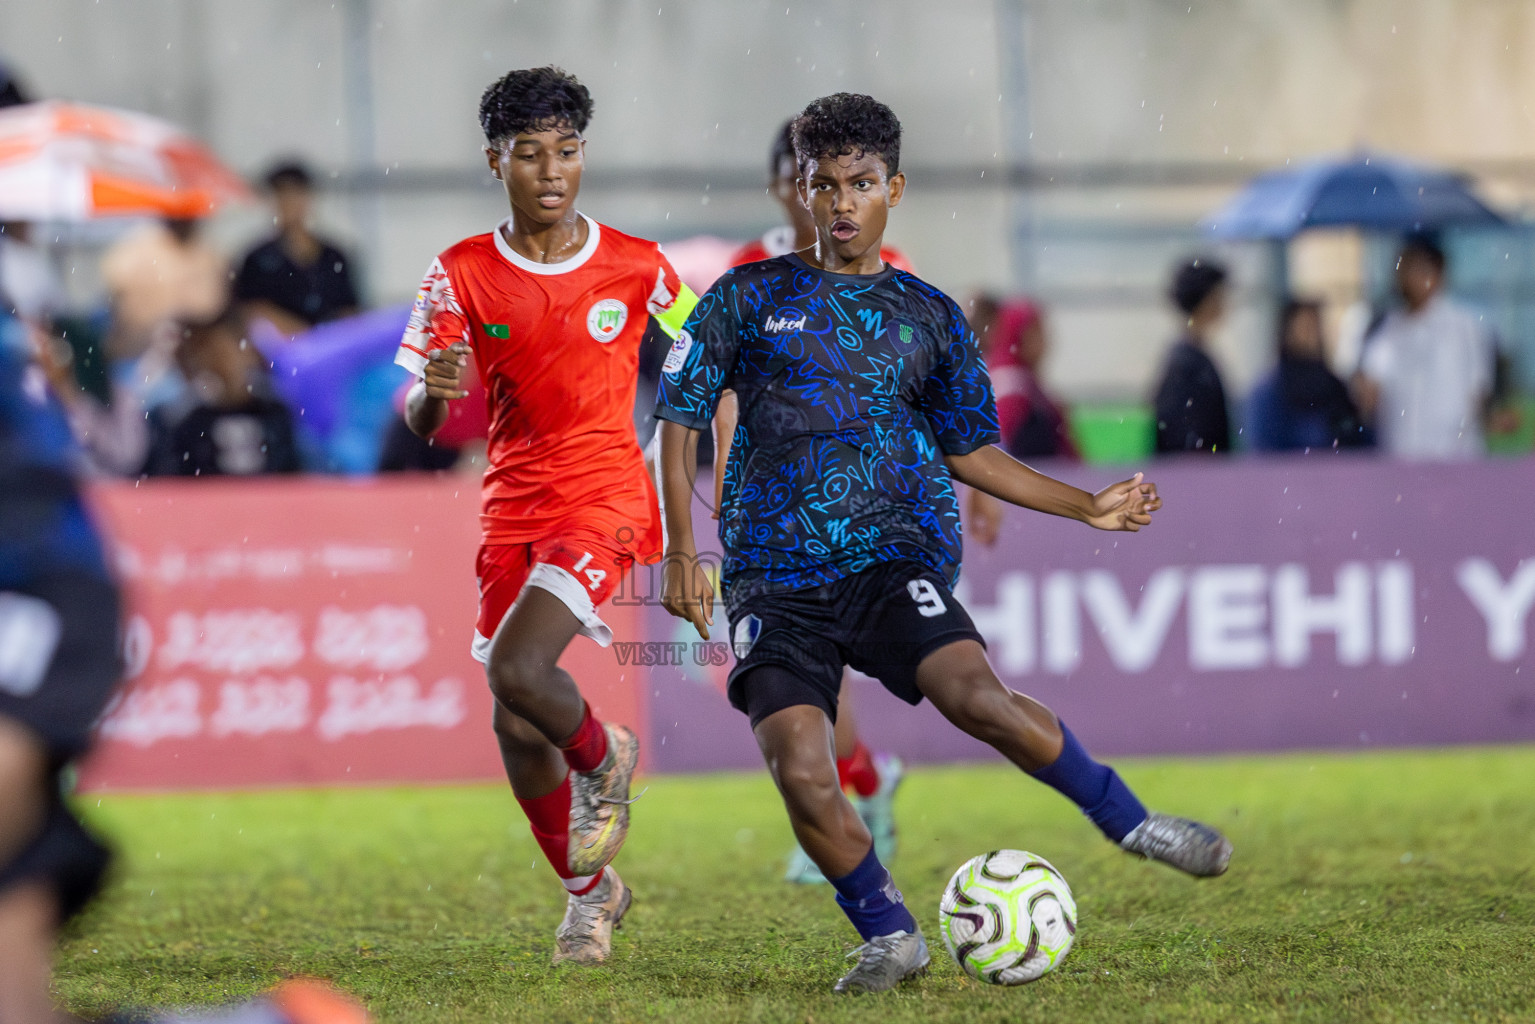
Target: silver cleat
884,962
585,936
599,804
1186,845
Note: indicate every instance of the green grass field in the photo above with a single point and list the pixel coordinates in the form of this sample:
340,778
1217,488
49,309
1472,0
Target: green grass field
1379,887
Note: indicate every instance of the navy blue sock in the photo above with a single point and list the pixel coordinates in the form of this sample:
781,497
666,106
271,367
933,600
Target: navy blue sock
869,898
1094,787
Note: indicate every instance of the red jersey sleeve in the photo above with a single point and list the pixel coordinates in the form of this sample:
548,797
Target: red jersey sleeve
751,252
896,258
668,286
437,320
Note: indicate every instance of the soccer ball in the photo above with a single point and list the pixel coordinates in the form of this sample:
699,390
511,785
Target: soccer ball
1008,917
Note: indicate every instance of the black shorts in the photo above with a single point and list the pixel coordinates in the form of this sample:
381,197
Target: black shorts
882,621
59,659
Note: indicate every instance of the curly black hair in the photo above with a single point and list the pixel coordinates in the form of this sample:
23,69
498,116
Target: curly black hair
847,123
533,99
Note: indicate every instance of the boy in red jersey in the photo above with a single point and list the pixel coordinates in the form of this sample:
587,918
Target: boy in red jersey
553,306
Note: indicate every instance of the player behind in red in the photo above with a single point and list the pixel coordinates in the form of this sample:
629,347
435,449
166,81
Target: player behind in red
553,307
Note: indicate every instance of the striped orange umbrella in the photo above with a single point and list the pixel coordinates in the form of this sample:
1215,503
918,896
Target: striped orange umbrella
70,162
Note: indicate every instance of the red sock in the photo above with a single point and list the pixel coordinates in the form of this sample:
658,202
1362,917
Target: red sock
549,816
858,771
587,747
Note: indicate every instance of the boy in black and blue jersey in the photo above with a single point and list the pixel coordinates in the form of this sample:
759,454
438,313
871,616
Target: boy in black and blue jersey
862,395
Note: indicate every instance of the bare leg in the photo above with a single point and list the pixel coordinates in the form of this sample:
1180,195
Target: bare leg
846,730
961,685
537,703
797,745
523,668
534,766
29,911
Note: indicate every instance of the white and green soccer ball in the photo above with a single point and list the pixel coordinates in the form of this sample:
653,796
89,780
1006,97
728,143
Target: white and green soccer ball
1008,917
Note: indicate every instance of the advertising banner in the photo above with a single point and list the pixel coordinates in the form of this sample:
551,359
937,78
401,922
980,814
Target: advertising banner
317,631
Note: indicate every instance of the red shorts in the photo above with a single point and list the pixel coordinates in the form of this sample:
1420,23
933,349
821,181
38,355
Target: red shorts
582,566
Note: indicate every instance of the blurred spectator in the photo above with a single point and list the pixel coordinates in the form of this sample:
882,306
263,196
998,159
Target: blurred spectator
1190,403
12,92
113,436
295,279
1013,339
229,422
1427,372
29,286
1302,404
161,273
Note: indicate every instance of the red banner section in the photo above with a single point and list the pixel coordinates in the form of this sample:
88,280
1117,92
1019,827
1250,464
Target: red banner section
307,631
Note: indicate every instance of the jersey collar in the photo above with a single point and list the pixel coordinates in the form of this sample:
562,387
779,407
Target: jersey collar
521,262
798,261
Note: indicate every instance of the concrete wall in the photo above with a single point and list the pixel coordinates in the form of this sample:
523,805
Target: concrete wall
1218,89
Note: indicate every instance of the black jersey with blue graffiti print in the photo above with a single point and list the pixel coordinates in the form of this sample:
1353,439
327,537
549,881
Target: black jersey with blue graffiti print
852,389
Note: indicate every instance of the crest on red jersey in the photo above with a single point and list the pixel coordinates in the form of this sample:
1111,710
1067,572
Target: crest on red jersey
606,318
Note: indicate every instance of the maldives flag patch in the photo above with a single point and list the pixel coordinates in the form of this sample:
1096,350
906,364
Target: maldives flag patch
497,330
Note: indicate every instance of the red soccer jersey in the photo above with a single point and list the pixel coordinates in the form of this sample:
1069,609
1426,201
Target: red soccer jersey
779,241
557,348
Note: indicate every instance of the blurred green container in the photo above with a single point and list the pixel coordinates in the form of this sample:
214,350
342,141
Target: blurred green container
1113,433
1520,441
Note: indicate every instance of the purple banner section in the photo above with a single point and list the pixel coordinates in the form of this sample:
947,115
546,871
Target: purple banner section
1333,601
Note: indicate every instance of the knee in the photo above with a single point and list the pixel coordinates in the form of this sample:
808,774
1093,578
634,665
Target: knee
515,678
809,788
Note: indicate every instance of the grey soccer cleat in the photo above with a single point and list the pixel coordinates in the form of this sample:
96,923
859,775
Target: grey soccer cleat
1186,845
885,961
599,804
586,935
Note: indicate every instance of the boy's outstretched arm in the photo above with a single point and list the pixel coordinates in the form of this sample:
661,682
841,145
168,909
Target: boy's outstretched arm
1126,505
686,590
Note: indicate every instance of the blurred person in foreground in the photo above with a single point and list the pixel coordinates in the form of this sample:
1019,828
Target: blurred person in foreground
156,275
1426,376
228,421
59,618
295,279
1190,402
1013,339
1302,405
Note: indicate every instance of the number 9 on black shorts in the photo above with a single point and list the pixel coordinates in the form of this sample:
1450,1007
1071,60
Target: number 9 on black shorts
791,647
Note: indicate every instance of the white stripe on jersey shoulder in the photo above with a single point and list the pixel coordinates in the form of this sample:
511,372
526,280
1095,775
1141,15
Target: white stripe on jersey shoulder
521,262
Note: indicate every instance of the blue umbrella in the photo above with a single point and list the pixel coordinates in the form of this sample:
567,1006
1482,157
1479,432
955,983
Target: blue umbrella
1361,191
